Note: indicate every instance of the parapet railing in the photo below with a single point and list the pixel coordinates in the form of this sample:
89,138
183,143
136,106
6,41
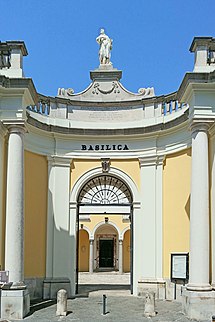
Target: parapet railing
42,107
172,106
167,107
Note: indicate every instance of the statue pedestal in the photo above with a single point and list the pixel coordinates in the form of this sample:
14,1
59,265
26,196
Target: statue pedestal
15,304
105,73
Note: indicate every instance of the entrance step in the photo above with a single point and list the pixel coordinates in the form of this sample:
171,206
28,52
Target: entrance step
110,278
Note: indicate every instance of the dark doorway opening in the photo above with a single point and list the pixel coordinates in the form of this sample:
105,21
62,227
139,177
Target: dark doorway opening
106,253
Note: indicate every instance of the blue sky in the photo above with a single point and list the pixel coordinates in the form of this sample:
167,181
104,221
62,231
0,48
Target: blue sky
151,39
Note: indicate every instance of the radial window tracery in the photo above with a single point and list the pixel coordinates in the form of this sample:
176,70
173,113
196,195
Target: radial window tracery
105,190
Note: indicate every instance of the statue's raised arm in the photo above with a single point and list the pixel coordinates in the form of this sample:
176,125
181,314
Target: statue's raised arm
105,47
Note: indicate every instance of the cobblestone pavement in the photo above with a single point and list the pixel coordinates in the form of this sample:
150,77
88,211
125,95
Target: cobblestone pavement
121,306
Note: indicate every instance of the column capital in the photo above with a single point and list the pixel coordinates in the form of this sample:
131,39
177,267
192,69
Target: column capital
200,126
151,160
59,161
15,126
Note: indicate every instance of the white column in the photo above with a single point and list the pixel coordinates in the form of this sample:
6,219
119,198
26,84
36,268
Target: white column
120,257
2,181
199,211
14,239
212,159
91,260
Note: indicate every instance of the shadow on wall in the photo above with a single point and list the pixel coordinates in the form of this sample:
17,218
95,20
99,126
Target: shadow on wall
187,207
61,250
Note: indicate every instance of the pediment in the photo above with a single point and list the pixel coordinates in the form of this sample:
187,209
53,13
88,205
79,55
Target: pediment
106,87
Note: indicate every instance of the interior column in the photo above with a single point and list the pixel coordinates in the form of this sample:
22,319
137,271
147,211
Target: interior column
120,257
91,260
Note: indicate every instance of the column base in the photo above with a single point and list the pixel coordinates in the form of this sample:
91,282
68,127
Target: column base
199,287
52,285
198,305
15,304
156,285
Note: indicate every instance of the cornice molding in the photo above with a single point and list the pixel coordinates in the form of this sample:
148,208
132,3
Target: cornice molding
152,160
171,124
193,80
59,161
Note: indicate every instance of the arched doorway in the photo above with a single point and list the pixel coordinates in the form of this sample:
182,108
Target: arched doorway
106,250
106,196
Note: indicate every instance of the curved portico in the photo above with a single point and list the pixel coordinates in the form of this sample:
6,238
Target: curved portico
132,171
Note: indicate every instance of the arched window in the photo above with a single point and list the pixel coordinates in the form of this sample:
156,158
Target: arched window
105,190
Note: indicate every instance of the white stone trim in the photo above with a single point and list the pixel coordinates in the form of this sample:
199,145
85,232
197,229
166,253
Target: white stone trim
151,169
98,171
102,223
60,228
124,231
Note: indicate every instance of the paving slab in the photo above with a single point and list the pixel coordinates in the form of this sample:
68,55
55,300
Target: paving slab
119,308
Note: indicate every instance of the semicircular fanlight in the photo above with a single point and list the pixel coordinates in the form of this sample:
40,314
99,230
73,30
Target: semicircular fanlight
104,190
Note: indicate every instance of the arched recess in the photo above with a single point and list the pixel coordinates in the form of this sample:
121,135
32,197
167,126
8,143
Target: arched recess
83,249
100,224
98,171
106,249
75,206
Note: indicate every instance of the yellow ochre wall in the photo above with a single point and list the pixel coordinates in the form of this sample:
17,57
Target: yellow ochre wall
126,252
129,166
83,254
36,180
176,206
116,219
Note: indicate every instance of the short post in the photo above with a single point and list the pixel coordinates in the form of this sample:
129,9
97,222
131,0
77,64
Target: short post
175,290
61,303
150,305
104,302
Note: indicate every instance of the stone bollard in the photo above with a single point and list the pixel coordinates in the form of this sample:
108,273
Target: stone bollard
61,303
150,305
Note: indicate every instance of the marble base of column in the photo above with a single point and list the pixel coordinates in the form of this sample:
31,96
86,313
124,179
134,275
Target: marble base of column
199,288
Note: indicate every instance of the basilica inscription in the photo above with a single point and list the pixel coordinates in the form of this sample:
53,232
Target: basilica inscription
104,147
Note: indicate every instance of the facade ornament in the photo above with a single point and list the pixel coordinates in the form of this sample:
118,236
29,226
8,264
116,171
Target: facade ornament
105,165
97,89
65,92
5,56
105,48
149,91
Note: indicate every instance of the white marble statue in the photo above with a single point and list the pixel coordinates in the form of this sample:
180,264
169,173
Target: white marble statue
105,47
